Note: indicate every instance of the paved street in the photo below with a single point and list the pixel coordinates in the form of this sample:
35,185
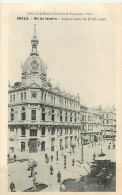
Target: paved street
21,176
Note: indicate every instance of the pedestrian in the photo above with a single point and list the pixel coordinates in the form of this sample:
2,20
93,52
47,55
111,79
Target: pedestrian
73,162
57,155
29,165
109,146
51,158
45,156
12,187
94,157
47,160
73,148
113,146
8,156
51,170
59,176
31,171
64,161
15,157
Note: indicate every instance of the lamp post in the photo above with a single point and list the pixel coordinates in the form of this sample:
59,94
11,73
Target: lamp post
82,157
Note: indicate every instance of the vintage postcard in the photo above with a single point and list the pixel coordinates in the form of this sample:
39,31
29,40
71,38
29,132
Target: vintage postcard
61,98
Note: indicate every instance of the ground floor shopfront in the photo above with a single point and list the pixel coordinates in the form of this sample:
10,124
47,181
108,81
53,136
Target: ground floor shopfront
46,139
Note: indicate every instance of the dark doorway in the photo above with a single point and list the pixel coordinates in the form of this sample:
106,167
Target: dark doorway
33,146
43,146
22,146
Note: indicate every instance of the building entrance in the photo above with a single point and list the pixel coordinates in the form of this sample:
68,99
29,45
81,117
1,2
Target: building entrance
22,146
33,145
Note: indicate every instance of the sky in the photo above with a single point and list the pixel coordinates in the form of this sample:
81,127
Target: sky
80,55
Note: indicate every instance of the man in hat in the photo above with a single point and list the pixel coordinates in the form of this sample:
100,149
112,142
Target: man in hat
59,176
12,187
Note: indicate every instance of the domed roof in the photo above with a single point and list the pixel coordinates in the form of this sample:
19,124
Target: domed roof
34,63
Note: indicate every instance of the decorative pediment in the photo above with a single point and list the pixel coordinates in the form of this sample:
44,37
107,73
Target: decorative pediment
34,85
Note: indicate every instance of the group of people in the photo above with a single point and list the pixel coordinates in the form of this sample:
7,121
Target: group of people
58,174
109,146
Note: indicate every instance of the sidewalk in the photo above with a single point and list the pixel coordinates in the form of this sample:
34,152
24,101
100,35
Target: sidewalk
20,176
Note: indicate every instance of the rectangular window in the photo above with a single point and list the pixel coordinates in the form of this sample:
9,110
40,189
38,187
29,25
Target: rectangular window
66,142
22,131
53,117
13,98
21,96
43,146
33,132
52,144
12,116
43,130
45,97
10,98
42,95
33,114
66,131
53,131
61,118
25,95
23,116
61,131
70,131
61,144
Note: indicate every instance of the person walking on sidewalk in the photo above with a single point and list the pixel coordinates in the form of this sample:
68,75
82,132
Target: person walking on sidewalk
59,176
12,187
51,170
94,157
15,157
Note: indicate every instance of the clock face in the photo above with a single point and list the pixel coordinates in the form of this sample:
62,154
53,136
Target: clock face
34,94
34,65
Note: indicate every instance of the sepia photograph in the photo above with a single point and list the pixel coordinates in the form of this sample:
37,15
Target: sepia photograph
61,133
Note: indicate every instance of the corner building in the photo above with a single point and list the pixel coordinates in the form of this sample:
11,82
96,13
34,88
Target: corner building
41,117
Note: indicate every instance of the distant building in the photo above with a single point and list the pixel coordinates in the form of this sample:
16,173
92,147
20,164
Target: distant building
91,124
97,123
109,122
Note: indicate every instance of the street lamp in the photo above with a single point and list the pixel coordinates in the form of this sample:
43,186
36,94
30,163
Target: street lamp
82,157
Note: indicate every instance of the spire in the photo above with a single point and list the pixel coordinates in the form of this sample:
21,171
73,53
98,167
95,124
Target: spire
34,42
34,30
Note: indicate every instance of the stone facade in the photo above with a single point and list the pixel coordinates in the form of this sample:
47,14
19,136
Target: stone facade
41,117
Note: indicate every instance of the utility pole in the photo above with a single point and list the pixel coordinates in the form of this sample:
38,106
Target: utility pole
82,158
